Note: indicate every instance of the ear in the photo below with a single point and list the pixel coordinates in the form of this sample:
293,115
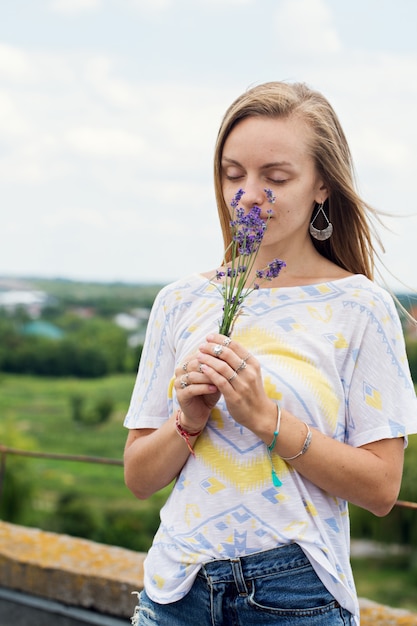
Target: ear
322,193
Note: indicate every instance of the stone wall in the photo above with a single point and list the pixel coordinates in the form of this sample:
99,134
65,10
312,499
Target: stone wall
81,573
66,569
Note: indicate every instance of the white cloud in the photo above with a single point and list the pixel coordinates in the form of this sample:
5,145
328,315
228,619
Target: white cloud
305,27
12,123
74,7
100,73
105,142
151,6
15,64
75,216
224,3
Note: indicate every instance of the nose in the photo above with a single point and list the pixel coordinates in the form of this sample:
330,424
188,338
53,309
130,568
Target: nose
254,194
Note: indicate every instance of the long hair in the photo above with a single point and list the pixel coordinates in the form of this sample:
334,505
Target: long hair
351,245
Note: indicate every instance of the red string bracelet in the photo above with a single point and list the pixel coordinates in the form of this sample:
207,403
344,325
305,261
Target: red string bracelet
184,433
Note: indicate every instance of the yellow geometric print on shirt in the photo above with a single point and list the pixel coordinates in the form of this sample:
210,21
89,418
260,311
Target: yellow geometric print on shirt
192,512
340,342
297,529
295,365
310,508
201,311
171,387
158,581
244,474
373,397
212,485
317,315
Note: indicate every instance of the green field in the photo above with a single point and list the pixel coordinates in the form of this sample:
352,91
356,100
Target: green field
36,415
390,580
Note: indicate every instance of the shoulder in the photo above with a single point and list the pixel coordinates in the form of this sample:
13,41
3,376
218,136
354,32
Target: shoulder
365,297
183,288
366,290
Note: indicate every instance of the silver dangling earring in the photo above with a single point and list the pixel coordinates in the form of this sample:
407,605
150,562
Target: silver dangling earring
325,233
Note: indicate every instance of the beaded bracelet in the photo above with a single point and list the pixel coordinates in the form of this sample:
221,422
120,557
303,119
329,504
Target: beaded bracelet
275,479
184,434
306,445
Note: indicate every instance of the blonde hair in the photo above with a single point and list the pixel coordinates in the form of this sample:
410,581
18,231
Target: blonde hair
351,245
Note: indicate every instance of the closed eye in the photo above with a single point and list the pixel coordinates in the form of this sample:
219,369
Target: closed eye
235,177
277,181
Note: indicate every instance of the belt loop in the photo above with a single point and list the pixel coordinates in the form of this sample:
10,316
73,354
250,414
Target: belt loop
239,577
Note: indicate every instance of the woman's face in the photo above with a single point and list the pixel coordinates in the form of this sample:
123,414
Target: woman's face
274,153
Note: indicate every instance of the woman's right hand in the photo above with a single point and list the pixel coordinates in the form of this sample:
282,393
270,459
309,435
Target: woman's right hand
196,394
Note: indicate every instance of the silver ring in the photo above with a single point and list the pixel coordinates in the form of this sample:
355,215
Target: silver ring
218,349
200,368
184,366
246,357
227,342
183,381
233,376
241,366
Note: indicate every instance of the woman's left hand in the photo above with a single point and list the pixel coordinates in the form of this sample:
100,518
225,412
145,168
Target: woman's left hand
237,375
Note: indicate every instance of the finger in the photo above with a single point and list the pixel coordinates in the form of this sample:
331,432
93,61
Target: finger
182,381
223,348
210,353
217,350
194,379
243,363
221,375
193,391
187,365
221,339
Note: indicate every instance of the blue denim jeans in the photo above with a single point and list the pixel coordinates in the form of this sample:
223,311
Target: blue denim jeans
276,587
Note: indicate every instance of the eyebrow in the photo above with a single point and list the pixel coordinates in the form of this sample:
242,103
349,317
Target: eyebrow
266,166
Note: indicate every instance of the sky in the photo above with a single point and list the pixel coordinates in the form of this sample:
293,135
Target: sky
109,111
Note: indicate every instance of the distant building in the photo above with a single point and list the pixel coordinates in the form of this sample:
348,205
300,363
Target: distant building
31,301
135,324
40,328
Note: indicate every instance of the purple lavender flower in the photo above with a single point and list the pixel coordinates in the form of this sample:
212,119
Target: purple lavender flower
247,231
270,195
236,198
274,268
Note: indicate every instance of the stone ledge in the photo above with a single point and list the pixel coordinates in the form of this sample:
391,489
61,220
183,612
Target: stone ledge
373,614
82,573
70,570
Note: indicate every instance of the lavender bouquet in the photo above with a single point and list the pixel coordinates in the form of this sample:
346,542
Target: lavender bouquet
247,234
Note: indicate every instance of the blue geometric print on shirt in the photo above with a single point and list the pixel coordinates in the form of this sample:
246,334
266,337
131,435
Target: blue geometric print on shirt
271,495
385,340
333,524
243,517
397,430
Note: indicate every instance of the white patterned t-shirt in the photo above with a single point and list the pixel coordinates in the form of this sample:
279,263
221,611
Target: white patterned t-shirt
333,355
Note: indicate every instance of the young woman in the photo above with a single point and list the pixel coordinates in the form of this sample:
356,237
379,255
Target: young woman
270,432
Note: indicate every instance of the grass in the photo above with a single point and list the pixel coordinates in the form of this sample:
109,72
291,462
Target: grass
391,581
36,414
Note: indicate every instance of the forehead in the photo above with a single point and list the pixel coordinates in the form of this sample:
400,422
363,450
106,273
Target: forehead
288,138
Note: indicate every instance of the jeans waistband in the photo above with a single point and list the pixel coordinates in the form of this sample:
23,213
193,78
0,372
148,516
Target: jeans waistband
254,565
